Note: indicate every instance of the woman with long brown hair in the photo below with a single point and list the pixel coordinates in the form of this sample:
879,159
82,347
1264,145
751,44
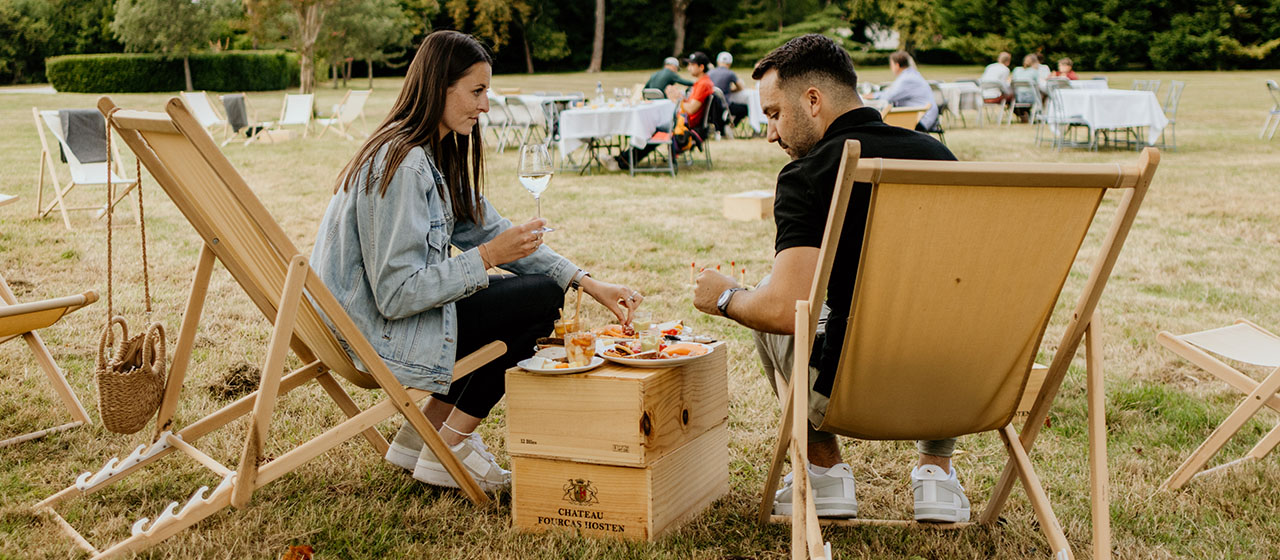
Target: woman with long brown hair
412,191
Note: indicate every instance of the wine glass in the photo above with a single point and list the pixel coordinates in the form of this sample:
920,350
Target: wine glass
535,174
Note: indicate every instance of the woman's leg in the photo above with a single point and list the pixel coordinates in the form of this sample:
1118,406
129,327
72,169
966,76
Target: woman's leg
514,309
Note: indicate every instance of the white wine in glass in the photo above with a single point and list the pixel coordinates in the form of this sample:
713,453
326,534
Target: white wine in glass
535,173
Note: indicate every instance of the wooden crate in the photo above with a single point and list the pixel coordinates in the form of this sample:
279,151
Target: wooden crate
616,415
750,205
641,503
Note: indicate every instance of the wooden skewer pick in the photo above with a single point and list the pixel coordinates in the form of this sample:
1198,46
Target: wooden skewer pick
577,307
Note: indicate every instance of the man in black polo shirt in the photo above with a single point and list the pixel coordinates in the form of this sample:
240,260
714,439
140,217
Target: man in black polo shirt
808,91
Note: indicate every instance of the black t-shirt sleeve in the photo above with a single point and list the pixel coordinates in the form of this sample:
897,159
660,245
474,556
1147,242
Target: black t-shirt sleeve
800,221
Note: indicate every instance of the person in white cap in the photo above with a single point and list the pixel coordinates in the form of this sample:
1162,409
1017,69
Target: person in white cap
727,80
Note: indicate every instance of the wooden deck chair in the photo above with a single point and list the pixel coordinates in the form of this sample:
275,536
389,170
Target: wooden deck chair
905,117
239,232
209,118
960,268
1243,342
345,113
23,320
297,111
81,173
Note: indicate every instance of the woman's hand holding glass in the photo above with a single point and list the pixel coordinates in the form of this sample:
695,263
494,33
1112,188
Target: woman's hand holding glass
620,299
516,243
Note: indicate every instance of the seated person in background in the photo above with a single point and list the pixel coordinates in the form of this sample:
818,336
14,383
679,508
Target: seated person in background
666,76
1042,70
1028,72
909,89
692,106
1064,70
808,90
728,82
998,72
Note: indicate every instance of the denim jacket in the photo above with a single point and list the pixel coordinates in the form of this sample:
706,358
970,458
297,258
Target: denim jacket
387,261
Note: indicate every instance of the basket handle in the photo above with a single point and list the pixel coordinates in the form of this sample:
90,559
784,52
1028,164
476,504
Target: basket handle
109,339
155,336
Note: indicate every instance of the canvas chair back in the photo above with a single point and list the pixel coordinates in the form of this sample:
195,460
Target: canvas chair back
905,117
352,105
81,173
298,108
961,266
207,190
201,108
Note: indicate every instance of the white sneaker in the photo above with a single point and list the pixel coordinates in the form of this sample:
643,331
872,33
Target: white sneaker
475,458
833,492
939,496
405,448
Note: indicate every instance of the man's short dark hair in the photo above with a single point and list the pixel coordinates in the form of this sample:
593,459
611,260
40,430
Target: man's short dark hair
809,54
901,58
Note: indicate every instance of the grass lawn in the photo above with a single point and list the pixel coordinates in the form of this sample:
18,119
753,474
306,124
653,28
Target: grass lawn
1204,251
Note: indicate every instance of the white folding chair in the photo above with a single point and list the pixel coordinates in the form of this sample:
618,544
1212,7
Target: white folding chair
204,112
81,173
1273,118
297,111
345,113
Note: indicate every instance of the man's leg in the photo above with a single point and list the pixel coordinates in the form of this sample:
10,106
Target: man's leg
830,476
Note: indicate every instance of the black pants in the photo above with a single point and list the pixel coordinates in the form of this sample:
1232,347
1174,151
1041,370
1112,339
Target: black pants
514,309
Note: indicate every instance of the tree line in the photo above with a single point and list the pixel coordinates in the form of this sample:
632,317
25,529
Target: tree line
331,36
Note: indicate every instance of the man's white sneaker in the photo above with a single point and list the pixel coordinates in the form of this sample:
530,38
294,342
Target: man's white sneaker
833,492
939,496
475,459
405,448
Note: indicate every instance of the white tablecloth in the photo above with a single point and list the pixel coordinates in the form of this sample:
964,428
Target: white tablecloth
1089,84
1115,108
751,98
637,121
961,95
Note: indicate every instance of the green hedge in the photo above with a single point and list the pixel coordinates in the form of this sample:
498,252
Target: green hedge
225,71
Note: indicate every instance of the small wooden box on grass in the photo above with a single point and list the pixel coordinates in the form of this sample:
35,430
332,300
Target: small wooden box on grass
618,451
750,205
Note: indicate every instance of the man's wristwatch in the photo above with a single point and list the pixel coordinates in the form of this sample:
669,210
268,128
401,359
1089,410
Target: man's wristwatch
723,303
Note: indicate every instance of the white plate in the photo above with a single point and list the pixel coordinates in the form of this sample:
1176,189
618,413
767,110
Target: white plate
645,363
530,364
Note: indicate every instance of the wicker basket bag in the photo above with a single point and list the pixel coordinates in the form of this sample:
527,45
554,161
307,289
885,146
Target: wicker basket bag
130,377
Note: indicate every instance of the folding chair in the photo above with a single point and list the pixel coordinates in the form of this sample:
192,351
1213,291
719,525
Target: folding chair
198,103
905,117
297,111
1171,111
961,265
993,94
94,173
238,232
23,320
1273,117
1026,96
1243,342
346,112
499,120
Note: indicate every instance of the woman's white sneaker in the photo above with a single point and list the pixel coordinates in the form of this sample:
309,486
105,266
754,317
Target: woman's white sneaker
475,459
405,448
833,492
939,496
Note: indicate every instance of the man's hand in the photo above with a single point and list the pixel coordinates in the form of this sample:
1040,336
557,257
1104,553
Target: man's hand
710,284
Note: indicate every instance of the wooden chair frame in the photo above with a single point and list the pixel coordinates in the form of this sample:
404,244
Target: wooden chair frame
1085,325
238,231
48,163
1258,395
23,320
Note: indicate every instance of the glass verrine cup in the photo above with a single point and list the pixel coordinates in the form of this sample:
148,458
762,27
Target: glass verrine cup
579,347
564,326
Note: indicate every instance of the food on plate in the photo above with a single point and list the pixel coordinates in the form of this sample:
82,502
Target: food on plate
548,341
615,331
632,349
579,347
552,353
